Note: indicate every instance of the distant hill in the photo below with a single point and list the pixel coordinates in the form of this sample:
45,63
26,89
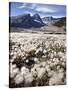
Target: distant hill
26,21
48,19
60,22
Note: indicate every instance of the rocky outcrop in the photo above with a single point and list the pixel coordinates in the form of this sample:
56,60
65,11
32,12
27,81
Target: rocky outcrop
26,21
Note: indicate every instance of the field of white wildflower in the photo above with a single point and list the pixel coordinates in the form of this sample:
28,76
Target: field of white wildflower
37,59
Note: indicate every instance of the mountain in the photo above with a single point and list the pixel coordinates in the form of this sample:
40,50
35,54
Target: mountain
48,19
37,18
26,21
60,22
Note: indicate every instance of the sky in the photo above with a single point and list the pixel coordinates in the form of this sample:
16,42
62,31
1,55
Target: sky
17,8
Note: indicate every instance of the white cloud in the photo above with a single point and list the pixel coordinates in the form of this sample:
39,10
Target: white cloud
22,6
37,7
44,9
34,6
29,6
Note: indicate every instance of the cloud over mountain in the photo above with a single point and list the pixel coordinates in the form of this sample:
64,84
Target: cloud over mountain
41,9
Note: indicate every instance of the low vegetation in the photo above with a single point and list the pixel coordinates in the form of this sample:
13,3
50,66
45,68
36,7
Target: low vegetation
37,60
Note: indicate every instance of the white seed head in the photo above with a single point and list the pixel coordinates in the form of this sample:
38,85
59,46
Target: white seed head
19,78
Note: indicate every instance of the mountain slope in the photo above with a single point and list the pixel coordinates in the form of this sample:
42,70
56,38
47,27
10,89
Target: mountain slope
26,21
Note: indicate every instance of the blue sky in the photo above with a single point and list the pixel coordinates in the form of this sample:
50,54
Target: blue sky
17,8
